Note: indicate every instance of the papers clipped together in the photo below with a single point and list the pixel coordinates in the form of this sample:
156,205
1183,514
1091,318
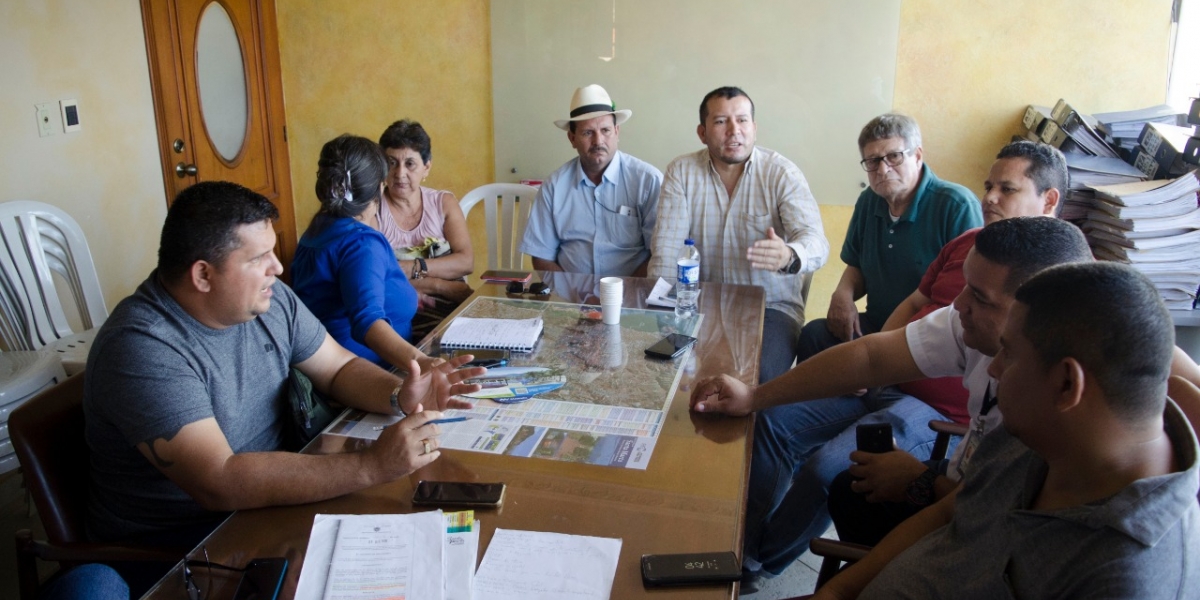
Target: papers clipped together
377,557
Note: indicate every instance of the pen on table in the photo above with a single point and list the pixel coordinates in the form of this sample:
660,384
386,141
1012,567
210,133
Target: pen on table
434,422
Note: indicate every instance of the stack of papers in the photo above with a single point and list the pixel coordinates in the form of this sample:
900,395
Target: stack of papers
534,565
381,557
663,294
507,385
1155,226
431,556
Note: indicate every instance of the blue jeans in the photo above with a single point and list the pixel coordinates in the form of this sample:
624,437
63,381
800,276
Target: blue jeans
798,449
815,337
779,336
87,582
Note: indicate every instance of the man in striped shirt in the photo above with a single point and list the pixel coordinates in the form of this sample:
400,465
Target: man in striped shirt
752,216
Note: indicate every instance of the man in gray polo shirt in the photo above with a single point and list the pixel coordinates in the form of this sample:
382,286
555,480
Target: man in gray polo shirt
185,400
1089,488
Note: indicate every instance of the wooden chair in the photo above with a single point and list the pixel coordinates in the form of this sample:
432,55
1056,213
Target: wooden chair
48,435
836,553
506,206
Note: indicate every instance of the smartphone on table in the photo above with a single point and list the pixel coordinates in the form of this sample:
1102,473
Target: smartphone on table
458,493
671,346
262,579
700,568
495,275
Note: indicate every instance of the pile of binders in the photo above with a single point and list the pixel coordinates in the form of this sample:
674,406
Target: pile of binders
1155,226
1160,141
1133,187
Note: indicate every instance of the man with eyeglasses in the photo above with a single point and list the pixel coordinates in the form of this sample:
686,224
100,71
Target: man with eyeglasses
900,223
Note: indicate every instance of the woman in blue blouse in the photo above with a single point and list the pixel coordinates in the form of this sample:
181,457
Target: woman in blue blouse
344,269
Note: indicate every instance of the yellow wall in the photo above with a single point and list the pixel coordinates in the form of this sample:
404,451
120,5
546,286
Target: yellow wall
107,175
355,67
966,70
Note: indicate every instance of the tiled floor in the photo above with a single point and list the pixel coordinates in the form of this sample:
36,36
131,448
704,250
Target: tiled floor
14,515
797,580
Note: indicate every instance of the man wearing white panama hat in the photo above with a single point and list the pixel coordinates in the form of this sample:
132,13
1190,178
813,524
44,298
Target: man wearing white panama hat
596,213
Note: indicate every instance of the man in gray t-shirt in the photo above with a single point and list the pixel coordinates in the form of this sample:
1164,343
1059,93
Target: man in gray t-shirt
1089,488
185,398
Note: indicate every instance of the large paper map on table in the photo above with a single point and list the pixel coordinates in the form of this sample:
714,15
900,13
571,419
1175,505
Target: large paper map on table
609,412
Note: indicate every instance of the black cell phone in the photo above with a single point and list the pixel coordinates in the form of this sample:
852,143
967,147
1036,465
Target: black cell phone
495,275
703,568
671,346
458,493
484,358
874,438
262,579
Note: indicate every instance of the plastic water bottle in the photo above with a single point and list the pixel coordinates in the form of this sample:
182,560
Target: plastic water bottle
688,276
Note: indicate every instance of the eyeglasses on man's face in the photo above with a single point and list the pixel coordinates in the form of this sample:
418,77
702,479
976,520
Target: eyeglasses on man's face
893,159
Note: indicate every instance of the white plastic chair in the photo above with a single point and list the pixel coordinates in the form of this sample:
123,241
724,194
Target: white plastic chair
506,219
39,241
23,375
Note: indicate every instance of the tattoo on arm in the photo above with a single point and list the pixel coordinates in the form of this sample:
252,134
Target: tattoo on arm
158,460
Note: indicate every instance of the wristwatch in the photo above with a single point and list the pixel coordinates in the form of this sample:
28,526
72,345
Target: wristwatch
919,492
792,267
420,269
395,401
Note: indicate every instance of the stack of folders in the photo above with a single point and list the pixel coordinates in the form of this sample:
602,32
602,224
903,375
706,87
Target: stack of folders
1125,127
1191,150
1155,226
1161,150
1085,172
1066,129
1114,148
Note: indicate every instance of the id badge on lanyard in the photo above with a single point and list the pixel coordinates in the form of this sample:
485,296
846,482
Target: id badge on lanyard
976,432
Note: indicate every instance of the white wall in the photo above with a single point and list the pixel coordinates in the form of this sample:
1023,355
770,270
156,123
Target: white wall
107,175
817,71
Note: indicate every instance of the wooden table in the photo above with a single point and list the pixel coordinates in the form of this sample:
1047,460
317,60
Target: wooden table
691,498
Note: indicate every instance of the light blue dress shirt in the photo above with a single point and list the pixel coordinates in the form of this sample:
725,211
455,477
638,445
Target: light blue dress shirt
603,229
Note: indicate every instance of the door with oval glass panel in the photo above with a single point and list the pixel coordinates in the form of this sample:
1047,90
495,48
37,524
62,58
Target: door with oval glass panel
214,74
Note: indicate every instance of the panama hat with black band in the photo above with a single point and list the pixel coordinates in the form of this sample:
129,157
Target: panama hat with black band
591,102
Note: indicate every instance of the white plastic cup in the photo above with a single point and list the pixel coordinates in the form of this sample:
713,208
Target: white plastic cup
614,350
612,289
611,311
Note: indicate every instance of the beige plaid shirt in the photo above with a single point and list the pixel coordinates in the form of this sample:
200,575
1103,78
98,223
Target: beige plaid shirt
772,192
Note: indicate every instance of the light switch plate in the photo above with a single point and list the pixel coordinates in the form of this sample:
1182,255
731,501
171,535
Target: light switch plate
70,115
45,123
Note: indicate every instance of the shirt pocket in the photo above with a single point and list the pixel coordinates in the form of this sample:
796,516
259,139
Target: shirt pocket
620,231
756,226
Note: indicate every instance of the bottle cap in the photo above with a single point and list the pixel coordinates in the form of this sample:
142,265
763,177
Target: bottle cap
689,242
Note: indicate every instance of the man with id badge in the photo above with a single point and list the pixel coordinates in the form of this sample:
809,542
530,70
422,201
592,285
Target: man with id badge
596,213
1088,489
955,340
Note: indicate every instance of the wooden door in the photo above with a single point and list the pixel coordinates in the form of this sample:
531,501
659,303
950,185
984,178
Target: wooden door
214,74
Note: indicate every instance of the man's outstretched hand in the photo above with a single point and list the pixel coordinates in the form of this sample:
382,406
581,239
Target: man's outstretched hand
722,394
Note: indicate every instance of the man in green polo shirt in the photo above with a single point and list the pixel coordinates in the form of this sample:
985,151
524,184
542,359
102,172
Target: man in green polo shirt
900,223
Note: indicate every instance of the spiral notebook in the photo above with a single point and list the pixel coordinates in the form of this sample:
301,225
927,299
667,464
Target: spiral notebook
516,335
